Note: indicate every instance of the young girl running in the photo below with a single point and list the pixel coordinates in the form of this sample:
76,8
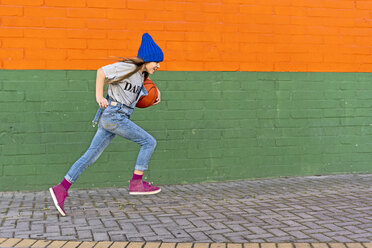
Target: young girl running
125,87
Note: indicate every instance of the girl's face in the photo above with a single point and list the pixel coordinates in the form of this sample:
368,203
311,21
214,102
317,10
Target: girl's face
151,67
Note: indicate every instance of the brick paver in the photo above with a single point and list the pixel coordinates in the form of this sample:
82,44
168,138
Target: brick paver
25,243
71,244
31,243
368,245
119,245
10,242
57,244
153,245
41,244
308,211
87,244
319,245
286,245
216,245
251,245
168,245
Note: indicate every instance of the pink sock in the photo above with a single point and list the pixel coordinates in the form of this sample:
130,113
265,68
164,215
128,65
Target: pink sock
137,177
66,184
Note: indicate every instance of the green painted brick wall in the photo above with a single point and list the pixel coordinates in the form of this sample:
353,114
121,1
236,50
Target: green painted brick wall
210,126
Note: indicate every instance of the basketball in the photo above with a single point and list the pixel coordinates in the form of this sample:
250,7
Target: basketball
152,94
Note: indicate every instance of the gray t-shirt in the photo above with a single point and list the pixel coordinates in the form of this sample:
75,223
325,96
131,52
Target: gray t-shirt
127,91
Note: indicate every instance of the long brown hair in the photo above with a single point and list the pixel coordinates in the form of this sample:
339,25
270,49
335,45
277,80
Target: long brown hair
138,62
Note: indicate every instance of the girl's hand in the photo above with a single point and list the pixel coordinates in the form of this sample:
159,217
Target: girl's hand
102,102
158,99
100,81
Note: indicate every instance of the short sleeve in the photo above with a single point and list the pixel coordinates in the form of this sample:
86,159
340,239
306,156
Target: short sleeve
117,70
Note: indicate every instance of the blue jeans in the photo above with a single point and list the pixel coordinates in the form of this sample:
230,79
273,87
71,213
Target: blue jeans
114,121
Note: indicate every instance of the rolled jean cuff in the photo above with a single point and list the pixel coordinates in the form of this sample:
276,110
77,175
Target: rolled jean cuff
140,167
68,178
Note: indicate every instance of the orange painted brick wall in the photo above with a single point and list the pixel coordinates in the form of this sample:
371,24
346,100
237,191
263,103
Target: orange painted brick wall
217,35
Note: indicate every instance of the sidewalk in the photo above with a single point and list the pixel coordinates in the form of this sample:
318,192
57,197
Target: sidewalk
26,243
327,209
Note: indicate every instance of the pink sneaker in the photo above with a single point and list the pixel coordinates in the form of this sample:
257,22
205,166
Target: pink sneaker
139,187
59,195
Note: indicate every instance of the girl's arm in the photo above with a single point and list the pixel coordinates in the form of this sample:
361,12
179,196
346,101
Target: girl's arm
100,82
158,99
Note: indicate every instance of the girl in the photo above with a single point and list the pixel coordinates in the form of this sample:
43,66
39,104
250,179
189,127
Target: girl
125,81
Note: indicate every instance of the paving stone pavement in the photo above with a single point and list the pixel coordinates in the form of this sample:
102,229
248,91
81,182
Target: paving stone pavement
27,243
331,209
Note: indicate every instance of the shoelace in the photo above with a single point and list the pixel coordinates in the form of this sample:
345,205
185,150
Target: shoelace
147,183
144,182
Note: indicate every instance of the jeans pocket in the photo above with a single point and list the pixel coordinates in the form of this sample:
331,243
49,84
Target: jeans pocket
110,118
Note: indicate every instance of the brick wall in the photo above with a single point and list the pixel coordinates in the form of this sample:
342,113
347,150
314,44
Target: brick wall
228,35
287,107
210,126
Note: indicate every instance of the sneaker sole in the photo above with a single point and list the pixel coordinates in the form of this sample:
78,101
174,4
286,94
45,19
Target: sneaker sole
56,202
145,193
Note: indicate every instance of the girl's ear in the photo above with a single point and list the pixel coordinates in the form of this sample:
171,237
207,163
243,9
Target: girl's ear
144,68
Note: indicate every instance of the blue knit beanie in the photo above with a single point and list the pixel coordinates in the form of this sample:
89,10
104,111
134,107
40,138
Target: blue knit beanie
149,51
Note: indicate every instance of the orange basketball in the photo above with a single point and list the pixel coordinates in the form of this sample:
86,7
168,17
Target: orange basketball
152,94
